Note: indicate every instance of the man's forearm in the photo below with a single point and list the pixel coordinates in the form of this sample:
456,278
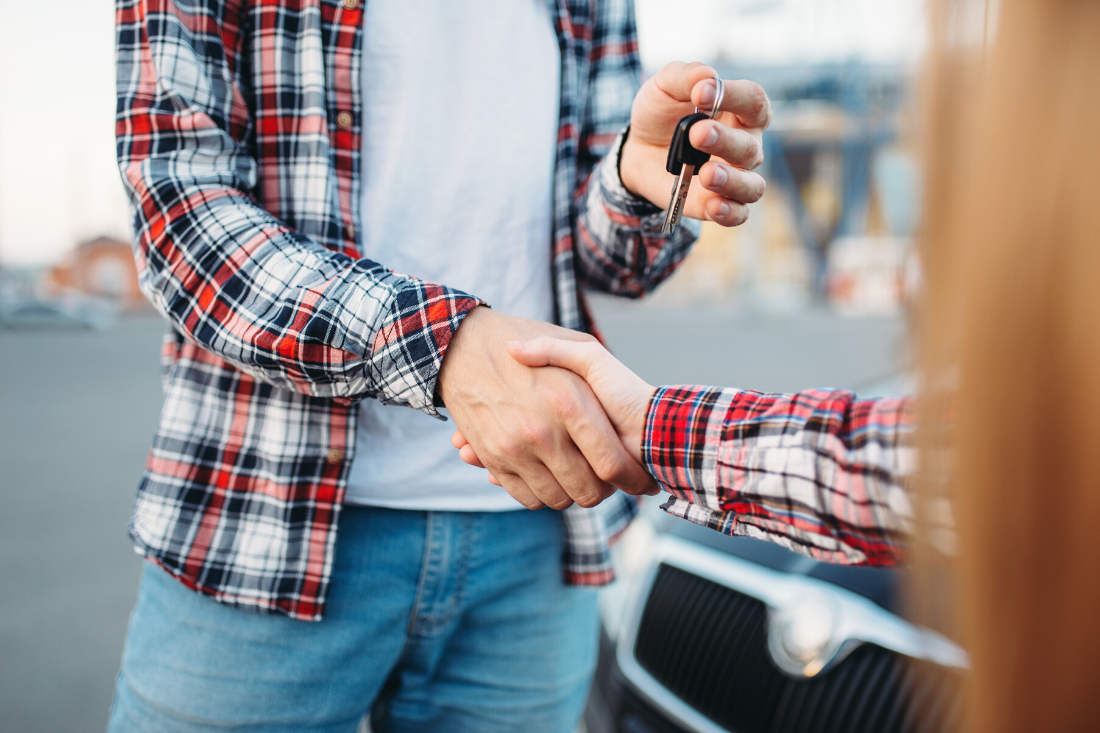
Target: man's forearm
227,273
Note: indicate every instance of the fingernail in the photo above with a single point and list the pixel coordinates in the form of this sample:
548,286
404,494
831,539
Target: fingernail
712,137
720,176
723,210
517,345
706,97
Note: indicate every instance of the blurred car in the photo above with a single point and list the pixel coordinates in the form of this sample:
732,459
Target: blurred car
69,311
706,633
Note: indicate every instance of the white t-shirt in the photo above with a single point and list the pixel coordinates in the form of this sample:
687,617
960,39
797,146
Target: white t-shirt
460,112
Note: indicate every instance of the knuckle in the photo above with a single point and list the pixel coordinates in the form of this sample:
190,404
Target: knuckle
610,468
753,194
751,152
510,447
564,403
531,433
589,499
559,504
760,107
519,491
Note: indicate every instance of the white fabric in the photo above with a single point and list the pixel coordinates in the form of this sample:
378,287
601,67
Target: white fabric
459,129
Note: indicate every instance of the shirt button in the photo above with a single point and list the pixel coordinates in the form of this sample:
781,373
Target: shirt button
343,120
335,455
351,4
349,231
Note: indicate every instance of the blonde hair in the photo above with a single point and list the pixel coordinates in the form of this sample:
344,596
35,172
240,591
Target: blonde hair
1011,316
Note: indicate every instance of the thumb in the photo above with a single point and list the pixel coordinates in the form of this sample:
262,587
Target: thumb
576,356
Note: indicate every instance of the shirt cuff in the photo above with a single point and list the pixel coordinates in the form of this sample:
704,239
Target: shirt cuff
617,197
409,348
683,430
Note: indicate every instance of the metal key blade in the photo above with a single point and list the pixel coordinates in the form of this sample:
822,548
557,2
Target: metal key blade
679,197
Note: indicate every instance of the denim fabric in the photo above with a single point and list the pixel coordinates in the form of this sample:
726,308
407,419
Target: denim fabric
438,621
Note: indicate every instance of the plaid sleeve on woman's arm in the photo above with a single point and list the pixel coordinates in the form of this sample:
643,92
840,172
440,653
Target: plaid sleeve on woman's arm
820,472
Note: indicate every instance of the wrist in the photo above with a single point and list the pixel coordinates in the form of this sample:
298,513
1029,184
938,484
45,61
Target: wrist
629,165
642,173
634,437
461,341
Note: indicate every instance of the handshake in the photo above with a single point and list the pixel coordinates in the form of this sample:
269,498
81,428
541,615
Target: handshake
549,412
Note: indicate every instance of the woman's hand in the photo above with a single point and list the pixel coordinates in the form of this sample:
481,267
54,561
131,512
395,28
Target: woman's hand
622,393
723,187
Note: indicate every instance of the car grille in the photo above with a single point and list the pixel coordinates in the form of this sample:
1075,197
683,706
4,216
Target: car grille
707,644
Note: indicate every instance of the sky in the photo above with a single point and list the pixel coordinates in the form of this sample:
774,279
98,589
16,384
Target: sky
754,32
58,180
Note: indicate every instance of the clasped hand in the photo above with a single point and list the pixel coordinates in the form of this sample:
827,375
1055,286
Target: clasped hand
541,432
623,395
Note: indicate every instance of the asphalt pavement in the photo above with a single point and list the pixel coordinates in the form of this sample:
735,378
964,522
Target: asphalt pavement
78,409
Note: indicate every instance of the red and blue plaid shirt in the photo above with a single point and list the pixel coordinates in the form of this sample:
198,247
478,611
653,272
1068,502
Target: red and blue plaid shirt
820,472
238,140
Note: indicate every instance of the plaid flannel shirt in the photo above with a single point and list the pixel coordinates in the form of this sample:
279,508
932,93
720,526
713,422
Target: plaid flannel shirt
238,131
819,472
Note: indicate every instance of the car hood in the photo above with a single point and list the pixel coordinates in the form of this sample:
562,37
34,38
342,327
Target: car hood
880,585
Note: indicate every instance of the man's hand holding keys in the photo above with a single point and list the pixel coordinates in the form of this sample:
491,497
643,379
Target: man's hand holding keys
733,139
538,427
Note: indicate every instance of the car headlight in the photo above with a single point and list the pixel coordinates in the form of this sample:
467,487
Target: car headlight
802,637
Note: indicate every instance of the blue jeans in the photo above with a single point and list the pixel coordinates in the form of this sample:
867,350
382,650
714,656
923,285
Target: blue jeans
436,621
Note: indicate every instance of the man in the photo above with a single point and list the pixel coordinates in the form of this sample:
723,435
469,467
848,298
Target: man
288,163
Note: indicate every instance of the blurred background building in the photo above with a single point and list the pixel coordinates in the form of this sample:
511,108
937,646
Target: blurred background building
103,267
86,288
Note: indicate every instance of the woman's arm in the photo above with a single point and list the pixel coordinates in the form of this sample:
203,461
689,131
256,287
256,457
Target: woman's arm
820,472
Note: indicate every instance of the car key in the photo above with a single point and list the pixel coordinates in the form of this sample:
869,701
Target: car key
684,160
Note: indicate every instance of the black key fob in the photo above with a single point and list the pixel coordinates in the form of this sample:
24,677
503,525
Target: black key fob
680,152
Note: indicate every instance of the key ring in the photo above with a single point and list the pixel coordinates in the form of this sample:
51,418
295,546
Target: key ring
719,93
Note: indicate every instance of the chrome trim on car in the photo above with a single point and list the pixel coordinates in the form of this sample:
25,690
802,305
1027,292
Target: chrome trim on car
832,649
858,619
